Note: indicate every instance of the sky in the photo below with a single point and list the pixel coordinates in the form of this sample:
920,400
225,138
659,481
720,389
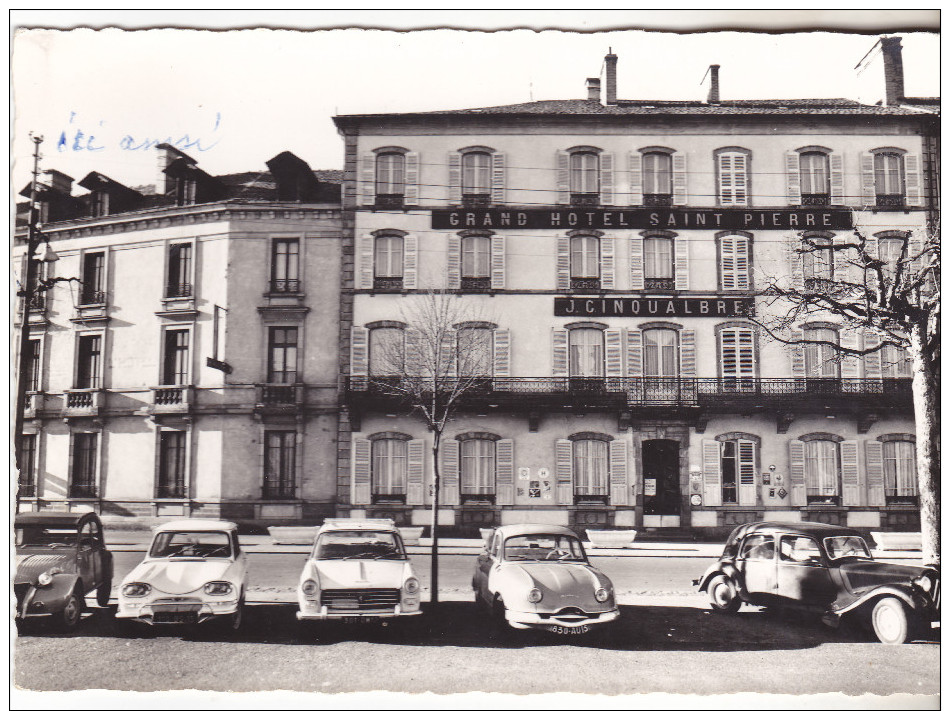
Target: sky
234,99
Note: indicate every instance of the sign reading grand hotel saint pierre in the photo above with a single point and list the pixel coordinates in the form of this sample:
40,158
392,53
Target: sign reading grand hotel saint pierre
638,218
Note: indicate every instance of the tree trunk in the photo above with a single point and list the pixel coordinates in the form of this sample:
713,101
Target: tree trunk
927,428
436,486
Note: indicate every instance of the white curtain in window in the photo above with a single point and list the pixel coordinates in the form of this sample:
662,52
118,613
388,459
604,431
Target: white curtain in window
389,466
585,173
814,173
386,351
821,468
586,352
476,174
585,257
476,255
391,174
900,469
389,258
477,458
887,174
657,174
658,258
590,467
659,352
821,360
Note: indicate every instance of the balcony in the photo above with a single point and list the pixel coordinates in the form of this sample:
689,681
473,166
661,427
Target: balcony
83,402
91,308
178,300
890,201
33,405
284,398
658,200
285,286
585,199
171,399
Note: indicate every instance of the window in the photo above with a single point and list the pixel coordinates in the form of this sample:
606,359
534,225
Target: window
279,464
733,172
586,348
590,469
93,278
900,472
757,547
282,355
389,469
179,271
660,352
476,262
799,549
737,358
817,262
386,351
34,364
815,181
585,262
28,469
285,266
889,179
585,178
175,361
737,466
895,362
658,263
477,462
186,190
474,352
822,472
657,179
734,263
83,474
476,177
889,251
821,359
171,465
388,270
88,368
390,178
99,203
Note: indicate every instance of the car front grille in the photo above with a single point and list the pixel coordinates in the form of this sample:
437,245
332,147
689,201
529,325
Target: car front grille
360,599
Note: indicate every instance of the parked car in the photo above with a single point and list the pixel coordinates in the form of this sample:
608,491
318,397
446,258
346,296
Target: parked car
357,570
194,571
60,558
534,576
828,569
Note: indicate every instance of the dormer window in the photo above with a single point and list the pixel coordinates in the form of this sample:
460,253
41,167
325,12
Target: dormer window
99,205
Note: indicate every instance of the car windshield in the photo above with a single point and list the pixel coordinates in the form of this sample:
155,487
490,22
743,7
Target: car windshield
846,547
544,546
57,537
191,544
345,545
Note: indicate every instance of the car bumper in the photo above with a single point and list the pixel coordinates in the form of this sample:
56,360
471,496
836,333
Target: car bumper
526,620
188,613
29,606
323,613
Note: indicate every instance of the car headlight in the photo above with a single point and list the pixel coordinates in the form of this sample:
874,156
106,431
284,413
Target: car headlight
411,586
309,588
534,595
602,595
923,582
218,587
136,589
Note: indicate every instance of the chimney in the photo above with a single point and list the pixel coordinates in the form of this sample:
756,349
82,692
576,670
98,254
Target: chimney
893,70
60,182
611,61
166,154
593,89
713,97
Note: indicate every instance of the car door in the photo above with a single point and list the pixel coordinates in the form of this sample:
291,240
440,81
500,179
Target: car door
483,565
87,558
756,565
102,555
803,574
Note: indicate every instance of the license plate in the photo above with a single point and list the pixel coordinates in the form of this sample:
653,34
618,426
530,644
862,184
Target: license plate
357,620
581,629
175,617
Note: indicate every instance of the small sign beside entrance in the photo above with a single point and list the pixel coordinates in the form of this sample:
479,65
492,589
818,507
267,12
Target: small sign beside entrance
649,487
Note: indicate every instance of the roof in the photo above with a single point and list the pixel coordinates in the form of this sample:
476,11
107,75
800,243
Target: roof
52,518
358,524
195,524
528,529
804,527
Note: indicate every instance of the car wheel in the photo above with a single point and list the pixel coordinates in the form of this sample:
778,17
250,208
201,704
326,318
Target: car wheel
891,621
69,616
499,624
103,593
722,595
237,617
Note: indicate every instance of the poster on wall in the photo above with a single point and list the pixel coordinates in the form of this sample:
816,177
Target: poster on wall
534,490
649,487
524,473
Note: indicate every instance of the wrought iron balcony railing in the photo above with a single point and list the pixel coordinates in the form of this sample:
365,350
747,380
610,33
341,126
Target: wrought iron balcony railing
171,491
279,395
284,286
176,291
92,298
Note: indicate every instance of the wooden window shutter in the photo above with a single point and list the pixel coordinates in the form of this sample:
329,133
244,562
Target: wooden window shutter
365,256
687,353
618,473
359,357
410,258
874,462
415,473
873,364
636,263
868,192
505,472
737,351
793,178
412,179
613,343
501,353
563,263
559,353
497,261
845,268
414,353
367,179
836,162
634,353
733,179
449,474
498,178
563,178
607,262
564,471
726,192
740,178
681,263
850,365
747,486
455,178
680,177
915,263
797,354
796,266
727,262
912,182
606,178
454,263
743,265
636,178
448,360
850,486
796,472
362,472
712,479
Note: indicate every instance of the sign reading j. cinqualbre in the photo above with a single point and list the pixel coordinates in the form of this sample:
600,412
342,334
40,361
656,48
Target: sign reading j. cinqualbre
652,306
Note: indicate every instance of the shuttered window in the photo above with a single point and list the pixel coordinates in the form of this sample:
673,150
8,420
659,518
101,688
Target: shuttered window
477,462
658,263
822,472
817,262
657,179
733,179
476,173
815,181
390,174
386,351
888,174
734,263
585,257
590,468
476,257
895,363
171,465
900,472
389,257
585,173
821,360
390,458
586,352
659,352
737,354
475,352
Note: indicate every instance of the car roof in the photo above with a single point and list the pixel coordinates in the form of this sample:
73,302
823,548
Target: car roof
358,524
804,527
527,529
195,524
53,518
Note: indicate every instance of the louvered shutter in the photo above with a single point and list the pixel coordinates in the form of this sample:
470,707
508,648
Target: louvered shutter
606,178
636,263
501,353
733,182
797,354
454,263
874,462
912,182
448,356
873,366
359,357
455,178
563,263
618,473
915,263
607,262
746,459
793,178
836,161
868,193
564,471
365,257
680,177
634,353
362,472
410,261
412,179
849,363
845,267
559,353
743,264
796,266
505,472
613,340
687,353
563,178
850,486
712,479
449,472
636,178
367,179
736,346
415,485
796,472
497,261
727,262
414,354
740,179
681,264
498,178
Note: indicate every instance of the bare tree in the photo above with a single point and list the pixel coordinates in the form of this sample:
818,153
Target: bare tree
893,295
430,369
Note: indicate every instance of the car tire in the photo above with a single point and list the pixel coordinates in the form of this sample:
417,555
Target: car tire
103,593
235,619
722,595
69,616
891,621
